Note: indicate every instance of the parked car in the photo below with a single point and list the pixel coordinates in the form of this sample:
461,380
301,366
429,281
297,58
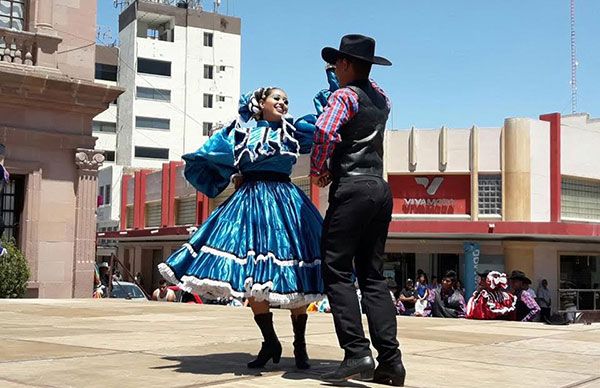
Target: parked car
126,290
185,297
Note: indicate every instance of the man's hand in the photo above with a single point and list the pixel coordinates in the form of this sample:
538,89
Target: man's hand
237,180
321,180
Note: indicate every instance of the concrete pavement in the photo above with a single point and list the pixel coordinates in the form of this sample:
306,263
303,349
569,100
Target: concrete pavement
119,343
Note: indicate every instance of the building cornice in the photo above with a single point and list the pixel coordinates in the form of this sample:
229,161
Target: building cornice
23,85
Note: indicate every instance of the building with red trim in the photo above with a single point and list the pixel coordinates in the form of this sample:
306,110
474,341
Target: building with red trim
528,193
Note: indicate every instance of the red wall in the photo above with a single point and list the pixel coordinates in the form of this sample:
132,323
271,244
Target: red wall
431,194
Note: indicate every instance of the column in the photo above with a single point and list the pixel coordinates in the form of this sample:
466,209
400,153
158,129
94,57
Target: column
87,161
30,222
46,38
517,170
518,255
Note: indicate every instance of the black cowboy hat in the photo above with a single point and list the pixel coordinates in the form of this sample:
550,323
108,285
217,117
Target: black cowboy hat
519,275
355,46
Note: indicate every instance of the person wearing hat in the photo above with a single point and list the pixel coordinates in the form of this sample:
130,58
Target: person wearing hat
348,153
526,308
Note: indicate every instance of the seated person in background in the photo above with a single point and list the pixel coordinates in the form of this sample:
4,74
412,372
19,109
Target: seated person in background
449,301
408,297
163,293
526,308
422,308
398,304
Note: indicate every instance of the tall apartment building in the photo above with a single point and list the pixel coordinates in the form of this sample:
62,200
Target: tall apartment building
180,68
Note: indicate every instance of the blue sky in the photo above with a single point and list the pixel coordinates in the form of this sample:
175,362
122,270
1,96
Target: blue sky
456,63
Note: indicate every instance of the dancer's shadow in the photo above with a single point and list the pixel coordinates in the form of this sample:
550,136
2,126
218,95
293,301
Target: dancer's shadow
235,363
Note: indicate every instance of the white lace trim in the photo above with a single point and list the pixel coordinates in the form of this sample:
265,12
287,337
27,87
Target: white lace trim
244,260
282,134
260,292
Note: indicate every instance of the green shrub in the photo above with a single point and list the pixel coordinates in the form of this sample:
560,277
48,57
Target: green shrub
14,271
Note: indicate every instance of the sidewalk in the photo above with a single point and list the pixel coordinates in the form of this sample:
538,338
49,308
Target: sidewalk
119,343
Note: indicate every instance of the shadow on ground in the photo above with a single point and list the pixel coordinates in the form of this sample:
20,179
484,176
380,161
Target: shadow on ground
235,363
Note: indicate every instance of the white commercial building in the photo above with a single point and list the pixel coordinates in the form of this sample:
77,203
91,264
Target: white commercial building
180,68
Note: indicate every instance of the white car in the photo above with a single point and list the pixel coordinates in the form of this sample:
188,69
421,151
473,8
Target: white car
126,290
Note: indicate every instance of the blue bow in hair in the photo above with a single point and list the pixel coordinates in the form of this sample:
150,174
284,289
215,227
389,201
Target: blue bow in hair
244,106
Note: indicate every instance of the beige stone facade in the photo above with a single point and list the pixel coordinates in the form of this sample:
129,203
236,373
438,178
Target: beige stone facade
47,101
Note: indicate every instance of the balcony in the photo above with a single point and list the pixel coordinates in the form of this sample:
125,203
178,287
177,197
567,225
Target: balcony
28,48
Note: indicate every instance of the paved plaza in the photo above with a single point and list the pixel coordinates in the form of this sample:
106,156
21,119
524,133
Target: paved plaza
119,343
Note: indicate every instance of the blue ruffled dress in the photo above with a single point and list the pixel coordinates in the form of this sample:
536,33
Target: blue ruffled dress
264,241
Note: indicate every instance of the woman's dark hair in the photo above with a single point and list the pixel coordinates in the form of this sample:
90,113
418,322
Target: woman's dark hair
423,274
259,95
451,274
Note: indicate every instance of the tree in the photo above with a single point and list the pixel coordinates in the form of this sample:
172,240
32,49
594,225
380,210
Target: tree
14,271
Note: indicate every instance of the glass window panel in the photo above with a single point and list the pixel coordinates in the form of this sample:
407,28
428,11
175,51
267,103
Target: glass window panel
152,123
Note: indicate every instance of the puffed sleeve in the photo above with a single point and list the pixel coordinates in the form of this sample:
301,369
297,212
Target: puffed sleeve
306,125
210,168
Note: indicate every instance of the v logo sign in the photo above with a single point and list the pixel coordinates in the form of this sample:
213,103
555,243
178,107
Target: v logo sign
431,187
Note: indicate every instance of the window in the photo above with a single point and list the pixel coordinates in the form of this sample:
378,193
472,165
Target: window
151,152
208,101
490,194
579,272
221,68
208,72
104,126
106,72
11,205
100,196
152,33
221,98
12,14
206,129
109,156
153,94
580,198
107,194
152,66
152,123
208,39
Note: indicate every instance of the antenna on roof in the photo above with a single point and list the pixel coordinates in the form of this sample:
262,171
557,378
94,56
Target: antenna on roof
574,62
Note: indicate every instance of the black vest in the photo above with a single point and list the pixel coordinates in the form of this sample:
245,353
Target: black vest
521,307
361,150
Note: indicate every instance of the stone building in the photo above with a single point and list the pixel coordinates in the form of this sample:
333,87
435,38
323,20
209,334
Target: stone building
48,98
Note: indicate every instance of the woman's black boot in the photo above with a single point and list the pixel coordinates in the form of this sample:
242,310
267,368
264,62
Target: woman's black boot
271,348
300,354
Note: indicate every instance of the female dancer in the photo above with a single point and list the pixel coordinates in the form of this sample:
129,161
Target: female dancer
263,242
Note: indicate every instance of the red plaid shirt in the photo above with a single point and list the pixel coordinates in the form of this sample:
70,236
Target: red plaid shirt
341,107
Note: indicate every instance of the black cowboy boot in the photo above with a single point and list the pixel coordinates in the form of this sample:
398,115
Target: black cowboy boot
351,368
390,374
271,348
300,354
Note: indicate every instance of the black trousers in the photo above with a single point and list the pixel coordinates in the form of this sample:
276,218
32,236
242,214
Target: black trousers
354,234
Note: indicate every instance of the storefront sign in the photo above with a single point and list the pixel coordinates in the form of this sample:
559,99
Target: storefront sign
472,256
447,194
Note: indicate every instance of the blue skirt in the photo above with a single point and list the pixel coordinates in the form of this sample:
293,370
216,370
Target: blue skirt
263,242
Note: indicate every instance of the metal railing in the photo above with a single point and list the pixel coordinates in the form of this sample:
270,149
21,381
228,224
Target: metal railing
579,298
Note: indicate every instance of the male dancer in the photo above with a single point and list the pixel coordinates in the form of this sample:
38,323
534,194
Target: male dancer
350,134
